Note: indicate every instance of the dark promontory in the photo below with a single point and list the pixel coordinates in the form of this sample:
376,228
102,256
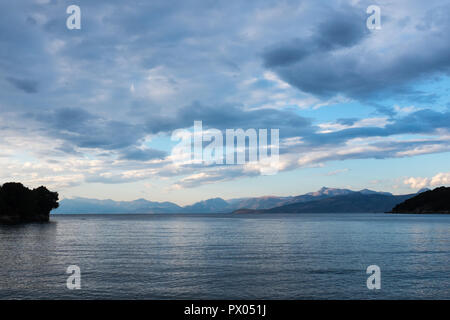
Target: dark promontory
18,204
435,201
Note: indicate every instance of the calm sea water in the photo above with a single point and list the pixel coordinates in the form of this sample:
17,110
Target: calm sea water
224,256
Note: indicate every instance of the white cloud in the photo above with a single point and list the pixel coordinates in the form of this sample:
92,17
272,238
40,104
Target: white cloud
336,172
369,122
271,76
405,110
439,179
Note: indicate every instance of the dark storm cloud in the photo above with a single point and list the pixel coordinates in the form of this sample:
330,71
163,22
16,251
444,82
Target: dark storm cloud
26,85
79,128
83,129
285,54
232,117
142,154
292,125
340,58
344,29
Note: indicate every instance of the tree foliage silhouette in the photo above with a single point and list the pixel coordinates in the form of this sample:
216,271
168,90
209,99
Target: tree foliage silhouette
21,204
433,201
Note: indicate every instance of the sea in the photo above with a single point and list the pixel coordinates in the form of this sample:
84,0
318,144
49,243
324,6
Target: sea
227,256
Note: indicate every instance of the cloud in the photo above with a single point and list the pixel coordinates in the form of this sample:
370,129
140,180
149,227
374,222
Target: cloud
336,172
83,129
302,144
342,124
341,58
420,122
440,179
405,110
342,28
144,69
142,154
231,116
26,85
213,176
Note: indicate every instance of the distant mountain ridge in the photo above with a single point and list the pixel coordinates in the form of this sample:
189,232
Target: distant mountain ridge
86,205
356,202
213,205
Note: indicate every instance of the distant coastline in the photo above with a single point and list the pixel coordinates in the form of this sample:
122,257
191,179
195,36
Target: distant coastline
18,204
325,200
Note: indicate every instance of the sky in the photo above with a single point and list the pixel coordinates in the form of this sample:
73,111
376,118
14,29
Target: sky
90,112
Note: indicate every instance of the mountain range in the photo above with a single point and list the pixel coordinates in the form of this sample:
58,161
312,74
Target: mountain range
323,200
356,202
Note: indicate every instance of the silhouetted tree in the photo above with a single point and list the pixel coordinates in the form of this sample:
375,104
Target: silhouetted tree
433,201
20,204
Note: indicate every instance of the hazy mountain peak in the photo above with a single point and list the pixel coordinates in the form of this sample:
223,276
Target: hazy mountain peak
368,191
329,192
208,206
214,200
